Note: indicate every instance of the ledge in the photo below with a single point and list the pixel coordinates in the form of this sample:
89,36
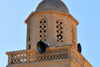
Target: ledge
69,15
31,50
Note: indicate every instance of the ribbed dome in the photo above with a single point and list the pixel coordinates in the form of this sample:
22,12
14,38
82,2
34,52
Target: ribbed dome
48,5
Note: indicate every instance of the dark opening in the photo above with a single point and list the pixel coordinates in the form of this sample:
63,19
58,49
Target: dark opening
60,27
29,39
61,32
60,22
44,26
44,21
29,46
40,35
44,39
59,36
40,26
44,30
56,22
57,31
40,31
40,21
57,26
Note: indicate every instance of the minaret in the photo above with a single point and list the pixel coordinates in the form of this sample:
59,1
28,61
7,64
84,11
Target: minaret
51,23
51,39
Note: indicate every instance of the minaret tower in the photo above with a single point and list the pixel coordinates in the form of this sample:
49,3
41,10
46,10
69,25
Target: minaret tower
51,39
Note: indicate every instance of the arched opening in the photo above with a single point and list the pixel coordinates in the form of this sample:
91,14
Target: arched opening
59,30
42,29
29,46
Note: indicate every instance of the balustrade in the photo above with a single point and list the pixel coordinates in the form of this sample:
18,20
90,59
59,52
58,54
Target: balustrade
35,56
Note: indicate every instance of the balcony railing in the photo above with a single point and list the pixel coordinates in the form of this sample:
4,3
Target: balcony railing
26,56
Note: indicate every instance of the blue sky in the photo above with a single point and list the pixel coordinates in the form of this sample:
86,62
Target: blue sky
13,29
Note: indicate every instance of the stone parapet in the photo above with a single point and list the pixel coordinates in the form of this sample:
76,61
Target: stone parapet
64,54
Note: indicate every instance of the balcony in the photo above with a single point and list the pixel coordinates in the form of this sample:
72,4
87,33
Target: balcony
52,55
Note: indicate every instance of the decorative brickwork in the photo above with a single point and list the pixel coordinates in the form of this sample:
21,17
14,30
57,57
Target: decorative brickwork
35,56
42,30
73,34
59,54
59,31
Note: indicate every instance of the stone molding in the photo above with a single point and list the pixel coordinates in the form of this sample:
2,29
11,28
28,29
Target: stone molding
69,15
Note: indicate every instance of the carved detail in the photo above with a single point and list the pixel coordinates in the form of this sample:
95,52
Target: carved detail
73,34
42,30
36,56
59,31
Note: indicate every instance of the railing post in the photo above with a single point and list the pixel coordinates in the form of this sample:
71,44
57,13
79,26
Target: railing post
9,59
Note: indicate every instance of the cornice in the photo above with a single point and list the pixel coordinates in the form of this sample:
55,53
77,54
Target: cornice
56,12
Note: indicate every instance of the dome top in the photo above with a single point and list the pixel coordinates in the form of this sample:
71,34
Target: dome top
48,5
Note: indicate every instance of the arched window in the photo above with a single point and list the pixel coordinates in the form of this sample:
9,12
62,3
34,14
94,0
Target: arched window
42,30
59,31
